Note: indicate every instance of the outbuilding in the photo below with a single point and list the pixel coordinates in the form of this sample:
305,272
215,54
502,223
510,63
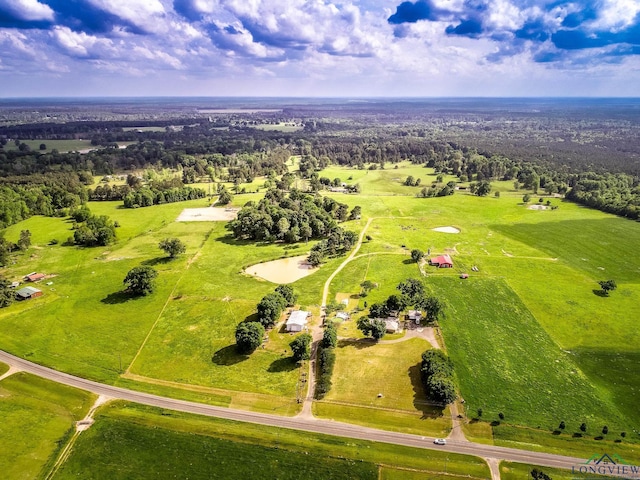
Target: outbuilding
415,315
442,261
297,321
35,277
28,292
342,316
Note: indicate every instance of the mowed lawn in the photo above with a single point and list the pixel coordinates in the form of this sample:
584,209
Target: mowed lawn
380,385
37,418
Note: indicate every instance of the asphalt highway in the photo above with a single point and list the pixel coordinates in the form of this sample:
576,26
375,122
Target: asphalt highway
314,425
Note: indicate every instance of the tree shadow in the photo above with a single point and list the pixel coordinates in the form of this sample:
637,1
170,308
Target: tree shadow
358,343
408,261
118,297
156,261
254,317
600,293
420,400
284,364
228,356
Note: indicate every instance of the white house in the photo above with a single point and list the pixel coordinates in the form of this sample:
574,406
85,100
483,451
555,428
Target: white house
392,324
297,321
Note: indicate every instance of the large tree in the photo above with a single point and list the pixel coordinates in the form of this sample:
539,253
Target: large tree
25,240
249,336
270,308
141,280
7,294
300,346
433,308
172,247
287,293
329,337
372,327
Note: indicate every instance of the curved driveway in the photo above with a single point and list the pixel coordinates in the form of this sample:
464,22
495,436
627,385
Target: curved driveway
327,427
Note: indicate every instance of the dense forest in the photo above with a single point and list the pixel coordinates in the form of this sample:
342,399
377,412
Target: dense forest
585,151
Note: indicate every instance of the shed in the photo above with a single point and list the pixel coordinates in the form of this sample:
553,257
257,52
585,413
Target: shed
442,261
342,315
415,315
297,321
14,284
35,277
28,292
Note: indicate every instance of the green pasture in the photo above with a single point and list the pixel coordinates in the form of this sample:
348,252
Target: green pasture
520,471
62,146
4,368
507,363
114,449
166,443
37,418
568,442
193,341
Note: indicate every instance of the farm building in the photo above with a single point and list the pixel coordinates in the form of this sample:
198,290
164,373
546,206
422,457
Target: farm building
342,316
297,321
28,292
443,261
414,315
34,277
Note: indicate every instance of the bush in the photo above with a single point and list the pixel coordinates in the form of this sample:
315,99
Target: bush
330,337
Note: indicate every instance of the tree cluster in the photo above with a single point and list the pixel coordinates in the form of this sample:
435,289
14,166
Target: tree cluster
93,230
273,304
437,376
326,361
289,217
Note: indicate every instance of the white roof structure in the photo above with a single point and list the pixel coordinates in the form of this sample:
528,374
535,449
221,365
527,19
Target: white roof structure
392,325
297,318
342,315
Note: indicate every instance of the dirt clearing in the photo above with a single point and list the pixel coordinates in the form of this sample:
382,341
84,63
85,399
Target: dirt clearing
285,270
209,214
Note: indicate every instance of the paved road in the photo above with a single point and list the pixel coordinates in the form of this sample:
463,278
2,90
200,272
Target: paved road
296,423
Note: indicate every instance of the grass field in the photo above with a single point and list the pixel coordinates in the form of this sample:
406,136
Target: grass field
529,336
519,471
154,443
365,370
37,418
3,368
504,359
62,146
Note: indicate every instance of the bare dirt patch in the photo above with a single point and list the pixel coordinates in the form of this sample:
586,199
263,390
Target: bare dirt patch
285,270
208,214
446,229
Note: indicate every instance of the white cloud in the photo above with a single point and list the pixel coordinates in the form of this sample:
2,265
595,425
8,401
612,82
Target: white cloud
28,10
145,14
80,44
617,14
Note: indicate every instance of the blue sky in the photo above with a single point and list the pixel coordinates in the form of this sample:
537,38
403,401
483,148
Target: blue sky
319,48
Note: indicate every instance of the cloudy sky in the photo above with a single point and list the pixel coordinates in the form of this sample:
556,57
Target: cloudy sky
319,48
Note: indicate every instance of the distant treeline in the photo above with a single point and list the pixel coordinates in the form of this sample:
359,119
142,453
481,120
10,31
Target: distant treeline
567,155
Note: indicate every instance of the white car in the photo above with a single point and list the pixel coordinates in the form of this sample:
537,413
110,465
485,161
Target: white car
440,441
